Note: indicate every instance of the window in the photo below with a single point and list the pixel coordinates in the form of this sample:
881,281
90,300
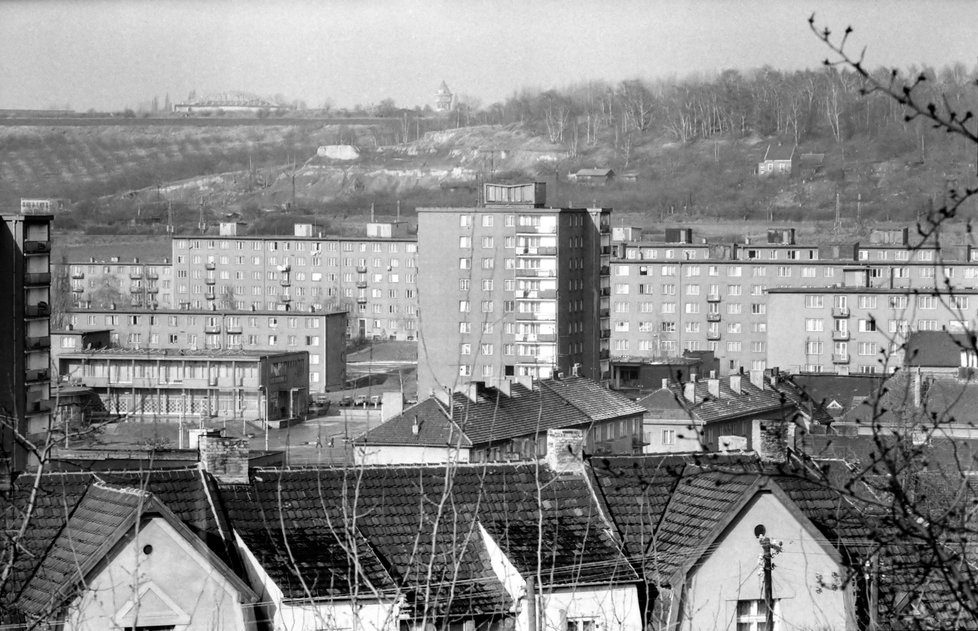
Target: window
813,347
464,327
926,302
463,306
487,221
814,302
758,308
867,302
692,327
487,242
867,348
867,326
465,242
668,437
752,615
465,349
813,325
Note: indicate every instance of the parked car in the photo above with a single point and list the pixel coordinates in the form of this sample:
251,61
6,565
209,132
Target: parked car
360,399
346,401
375,400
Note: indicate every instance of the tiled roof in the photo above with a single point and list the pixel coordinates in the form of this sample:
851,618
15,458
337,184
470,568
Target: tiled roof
779,152
594,172
936,349
418,530
435,429
552,404
84,540
944,401
190,494
729,405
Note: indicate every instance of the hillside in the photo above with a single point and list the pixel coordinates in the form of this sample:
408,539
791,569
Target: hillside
136,179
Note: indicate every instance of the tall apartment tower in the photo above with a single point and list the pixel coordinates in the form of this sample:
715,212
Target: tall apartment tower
512,290
25,287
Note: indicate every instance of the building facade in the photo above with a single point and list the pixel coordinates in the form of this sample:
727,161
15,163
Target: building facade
102,284
676,296
321,334
25,284
184,385
512,289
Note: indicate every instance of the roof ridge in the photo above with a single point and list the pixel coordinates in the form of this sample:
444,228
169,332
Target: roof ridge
126,490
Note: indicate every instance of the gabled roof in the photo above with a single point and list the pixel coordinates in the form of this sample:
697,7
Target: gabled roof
417,531
189,493
551,404
936,349
729,405
104,515
779,152
596,172
434,429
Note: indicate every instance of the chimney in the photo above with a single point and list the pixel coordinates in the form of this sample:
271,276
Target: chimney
771,439
665,384
735,383
689,392
564,451
505,387
757,378
917,387
713,385
415,426
392,405
472,391
224,458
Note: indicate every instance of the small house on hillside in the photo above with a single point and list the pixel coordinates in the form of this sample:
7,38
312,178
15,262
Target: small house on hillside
594,177
779,159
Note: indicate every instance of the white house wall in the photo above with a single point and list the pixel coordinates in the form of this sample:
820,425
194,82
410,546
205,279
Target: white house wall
386,454
612,608
314,615
173,585
730,573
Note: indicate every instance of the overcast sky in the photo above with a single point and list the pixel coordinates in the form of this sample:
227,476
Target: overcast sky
110,54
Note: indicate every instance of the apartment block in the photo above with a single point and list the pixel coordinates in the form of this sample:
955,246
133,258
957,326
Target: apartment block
373,278
182,384
322,334
25,281
121,283
512,289
859,330
679,295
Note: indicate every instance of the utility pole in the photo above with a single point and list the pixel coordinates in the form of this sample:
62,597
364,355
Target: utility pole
768,550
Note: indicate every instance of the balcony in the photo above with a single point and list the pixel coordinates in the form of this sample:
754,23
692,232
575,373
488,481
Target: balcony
713,317
152,276
40,374
78,275
234,328
713,298
604,312
840,359
713,336
361,301
840,336
840,312
605,270
285,298
285,282
604,354
605,334
362,284
153,290
136,276
34,279
77,289
40,310
535,273
37,343
39,407
546,337
210,280
606,291
210,266
361,269
135,289
210,296
212,329
37,247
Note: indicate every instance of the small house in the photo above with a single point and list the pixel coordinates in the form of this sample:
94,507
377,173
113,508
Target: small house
595,177
779,159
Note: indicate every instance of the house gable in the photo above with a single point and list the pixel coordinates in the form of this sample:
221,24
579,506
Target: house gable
808,572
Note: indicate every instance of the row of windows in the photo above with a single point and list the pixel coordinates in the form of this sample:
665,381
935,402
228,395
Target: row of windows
298,261
669,346
393,247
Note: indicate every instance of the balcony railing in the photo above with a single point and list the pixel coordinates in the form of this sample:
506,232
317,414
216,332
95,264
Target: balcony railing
234,328
361,284
212,329
77,289
32,279
135,289
840,336
713,317
153,290
37,247
210,266
40,374
840,359
152,276
37,343
136,276
713,298
40,310
210,296
210,280
361,269
713,336
78,275
285,298
840,312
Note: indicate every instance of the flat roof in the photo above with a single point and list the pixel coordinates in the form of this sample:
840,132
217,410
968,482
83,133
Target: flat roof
174,353
204,312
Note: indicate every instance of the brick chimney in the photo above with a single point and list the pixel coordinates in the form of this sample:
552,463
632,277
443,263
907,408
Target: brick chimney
564,449
771,439
689,391
224,458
